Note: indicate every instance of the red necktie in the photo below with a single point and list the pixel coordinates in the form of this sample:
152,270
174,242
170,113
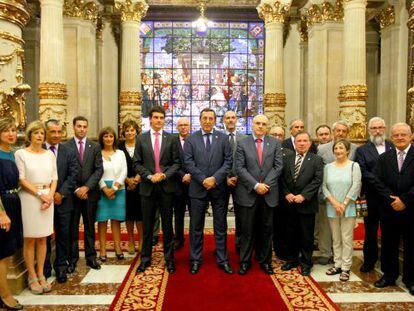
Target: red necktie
81,150
259,150
157,153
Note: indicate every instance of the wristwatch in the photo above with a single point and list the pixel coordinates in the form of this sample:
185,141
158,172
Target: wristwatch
39,194
115,188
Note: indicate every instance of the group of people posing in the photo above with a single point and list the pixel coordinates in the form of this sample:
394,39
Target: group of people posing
288,195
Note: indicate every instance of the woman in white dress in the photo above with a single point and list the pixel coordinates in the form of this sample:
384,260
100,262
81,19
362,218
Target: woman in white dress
38,179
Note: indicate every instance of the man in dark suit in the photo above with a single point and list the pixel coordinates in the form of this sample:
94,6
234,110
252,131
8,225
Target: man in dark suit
181,198
367,157
301,179
87,193
157,160
395,184
258,166
208,158
230,121
296,126
68,168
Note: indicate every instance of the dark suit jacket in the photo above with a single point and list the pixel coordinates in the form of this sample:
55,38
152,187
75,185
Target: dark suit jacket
131,171
144,163
218,164
250,172
307,184
180,188
91,169
367,158
287,143
239,137
391,182
68,170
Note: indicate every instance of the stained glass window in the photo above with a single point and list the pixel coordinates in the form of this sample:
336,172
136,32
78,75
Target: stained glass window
185,72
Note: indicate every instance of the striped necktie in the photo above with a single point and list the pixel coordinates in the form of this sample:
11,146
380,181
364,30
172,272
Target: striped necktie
299,159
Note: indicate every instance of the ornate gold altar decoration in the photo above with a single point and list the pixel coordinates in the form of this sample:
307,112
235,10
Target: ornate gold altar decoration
273,13
14,11
54,107
130,106
274,108
386,17
353,109
326,12
81,9
13,105
131,11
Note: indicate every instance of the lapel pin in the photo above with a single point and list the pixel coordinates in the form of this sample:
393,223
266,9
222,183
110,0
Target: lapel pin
216,137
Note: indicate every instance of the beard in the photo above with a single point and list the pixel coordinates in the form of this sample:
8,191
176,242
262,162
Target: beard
377,140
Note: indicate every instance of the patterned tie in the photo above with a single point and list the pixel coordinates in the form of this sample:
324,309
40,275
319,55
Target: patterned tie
208,143
400,160
232,141
53,149
297,166
81,150
259,150
157,153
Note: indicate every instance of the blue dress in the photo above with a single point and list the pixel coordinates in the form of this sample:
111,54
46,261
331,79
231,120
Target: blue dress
9,180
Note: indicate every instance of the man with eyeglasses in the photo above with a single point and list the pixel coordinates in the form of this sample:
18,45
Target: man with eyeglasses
367,158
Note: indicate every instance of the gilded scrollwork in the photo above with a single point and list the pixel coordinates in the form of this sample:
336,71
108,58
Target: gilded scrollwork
274,108
326,12
349,93
130,106
14,11
386,17
273,13
81,9
131,10
355,116
53,110
10,37
52,90
13,104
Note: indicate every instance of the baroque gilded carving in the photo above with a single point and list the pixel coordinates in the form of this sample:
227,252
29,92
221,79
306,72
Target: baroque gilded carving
274,108
326,12
349,93
100,25
303,28
14,11
355,116
13,104
410,22
386,17
275,13
52,90
131,11
130,106
81,9
10,37
53,110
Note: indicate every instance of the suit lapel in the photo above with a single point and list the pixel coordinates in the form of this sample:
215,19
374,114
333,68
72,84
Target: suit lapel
163,143
394,161
291,162
408,158
253,149
373,150
214,142
305,163
146,140
75,147
266,148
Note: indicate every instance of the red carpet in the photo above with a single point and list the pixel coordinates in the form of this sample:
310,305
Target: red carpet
212,289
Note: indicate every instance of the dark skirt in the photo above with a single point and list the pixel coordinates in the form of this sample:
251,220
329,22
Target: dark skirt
133,206
13,240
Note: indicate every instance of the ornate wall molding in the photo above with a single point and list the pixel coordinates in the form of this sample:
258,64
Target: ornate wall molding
14,11
81,9
386,17
326,12
53,110
130,98
349,93
275,13
52,90
131,11
130,106
274,108
10,37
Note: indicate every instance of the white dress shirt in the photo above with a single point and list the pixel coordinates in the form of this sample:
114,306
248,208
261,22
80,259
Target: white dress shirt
152,132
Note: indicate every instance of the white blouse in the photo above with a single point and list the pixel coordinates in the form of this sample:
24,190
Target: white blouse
115,169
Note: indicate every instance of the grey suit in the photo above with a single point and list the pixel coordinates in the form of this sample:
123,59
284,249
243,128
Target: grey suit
252,205
90,172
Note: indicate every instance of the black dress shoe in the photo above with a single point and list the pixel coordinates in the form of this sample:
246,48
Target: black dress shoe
94,264
171,267
194,268
71,268
244,267
5,306
61,277
289,266
366,268
226,268
267,268
143,266
305,271
154,240
411,289
382,282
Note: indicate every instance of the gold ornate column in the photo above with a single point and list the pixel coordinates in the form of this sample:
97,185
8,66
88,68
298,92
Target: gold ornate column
14,16
353,90
130,98
52,87
273,13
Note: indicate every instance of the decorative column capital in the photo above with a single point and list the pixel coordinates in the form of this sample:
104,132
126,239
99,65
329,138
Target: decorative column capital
14,11
129,106
386,17
131,10
52,90
349,93
79,9
274,108
326,12
273,13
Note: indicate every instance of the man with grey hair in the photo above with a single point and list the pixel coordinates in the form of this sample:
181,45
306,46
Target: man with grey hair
340,131
367,158
296,126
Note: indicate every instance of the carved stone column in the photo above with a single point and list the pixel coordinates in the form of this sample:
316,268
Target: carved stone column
14,16
353,90
52,86
130,98
273,13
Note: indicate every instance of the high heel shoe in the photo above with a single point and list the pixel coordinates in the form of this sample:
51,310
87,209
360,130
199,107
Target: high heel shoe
103,258
47,287
35,289
120,256
4,305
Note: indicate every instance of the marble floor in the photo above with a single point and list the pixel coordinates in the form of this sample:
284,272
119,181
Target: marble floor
88,289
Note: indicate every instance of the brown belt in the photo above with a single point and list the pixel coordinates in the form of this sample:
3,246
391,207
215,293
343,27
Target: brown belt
42,186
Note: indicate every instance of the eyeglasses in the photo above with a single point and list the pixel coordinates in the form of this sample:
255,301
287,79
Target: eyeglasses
377,128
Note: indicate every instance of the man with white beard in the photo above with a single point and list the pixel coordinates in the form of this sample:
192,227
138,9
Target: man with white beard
367,157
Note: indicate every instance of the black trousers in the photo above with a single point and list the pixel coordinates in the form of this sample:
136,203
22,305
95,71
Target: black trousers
392,229
300,232
149,205
180,205
86,209
280,218
197,218
256,225
62,223
371,223
232,191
